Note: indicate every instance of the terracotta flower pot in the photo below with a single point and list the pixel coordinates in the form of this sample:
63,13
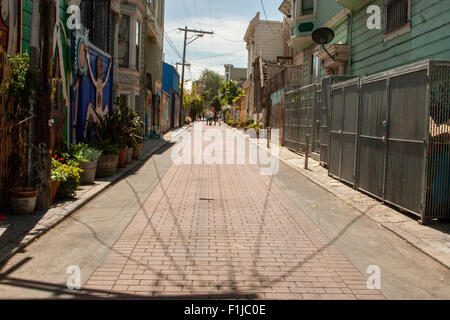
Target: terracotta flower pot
23,201
89,169
107,165
122,157
129,156
55,186
137,152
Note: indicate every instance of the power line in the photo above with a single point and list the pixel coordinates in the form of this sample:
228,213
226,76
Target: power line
224,38
169,41
218,55
187,13
267,20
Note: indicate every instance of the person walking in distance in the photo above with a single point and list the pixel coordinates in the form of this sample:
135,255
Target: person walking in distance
220,118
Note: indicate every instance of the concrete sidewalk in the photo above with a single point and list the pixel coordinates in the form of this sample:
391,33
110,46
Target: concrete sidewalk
432,239
17,232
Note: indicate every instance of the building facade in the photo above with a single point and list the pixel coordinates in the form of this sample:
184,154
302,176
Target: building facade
138,35
233,73
171,91
265,44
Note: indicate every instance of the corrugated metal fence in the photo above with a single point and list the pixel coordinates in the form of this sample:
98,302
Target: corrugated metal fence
389,137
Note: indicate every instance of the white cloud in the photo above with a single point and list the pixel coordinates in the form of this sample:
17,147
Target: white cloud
210,52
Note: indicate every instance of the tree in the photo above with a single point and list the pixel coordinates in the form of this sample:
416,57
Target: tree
209,84
216,103
230,92
194,102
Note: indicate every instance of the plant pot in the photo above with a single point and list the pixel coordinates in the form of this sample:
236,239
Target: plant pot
129,156
23,201
107,165
137,152
54,187
89,170
122,157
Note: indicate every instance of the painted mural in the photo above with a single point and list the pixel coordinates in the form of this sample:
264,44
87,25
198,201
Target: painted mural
164,122
9,29
176,110
148,112
61,69
91,92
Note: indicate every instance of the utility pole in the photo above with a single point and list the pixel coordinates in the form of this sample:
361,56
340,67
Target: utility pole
42,152
198,33
181,64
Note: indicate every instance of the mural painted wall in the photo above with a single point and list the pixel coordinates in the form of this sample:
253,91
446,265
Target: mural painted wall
92,89
9,28
148,112
176,110
61,66
164,124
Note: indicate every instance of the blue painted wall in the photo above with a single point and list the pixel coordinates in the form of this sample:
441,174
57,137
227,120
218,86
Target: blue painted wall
170,79
83,93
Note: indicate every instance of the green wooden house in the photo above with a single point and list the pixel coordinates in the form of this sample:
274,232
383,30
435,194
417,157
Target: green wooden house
302,17
411,31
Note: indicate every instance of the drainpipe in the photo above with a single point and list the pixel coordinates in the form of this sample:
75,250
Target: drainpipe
350,36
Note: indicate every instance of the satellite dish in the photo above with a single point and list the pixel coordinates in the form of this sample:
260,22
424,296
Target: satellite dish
323,35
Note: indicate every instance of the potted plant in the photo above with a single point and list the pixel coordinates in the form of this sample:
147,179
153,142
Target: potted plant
23,200
132,131
87,158
66,169
107,163
129,155
57,176
122,157
14,111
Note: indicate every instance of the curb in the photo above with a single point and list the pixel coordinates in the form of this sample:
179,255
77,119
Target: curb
439,257
78,204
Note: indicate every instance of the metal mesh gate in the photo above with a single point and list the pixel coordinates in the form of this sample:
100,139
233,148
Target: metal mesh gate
390,134
300,114
324,114
343,130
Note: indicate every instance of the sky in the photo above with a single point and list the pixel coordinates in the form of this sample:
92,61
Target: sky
228,19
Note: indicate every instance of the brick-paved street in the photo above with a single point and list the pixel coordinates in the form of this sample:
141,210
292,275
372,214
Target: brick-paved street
225,231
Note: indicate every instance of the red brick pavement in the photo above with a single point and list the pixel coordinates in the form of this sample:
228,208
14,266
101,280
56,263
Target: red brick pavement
225,231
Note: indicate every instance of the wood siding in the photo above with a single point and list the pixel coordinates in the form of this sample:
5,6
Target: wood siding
429,38
269,40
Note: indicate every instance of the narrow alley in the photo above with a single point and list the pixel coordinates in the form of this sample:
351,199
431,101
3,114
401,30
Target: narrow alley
220,231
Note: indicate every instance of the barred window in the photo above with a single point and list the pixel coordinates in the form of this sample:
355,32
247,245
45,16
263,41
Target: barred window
396,14
124,41
96,16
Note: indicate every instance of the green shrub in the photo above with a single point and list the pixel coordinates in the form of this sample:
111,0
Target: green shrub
82,152
69,175
108,147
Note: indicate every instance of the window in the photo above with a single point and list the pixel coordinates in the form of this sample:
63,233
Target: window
307,7
95,16
396,14
303,7
137,44
227,77
124,41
